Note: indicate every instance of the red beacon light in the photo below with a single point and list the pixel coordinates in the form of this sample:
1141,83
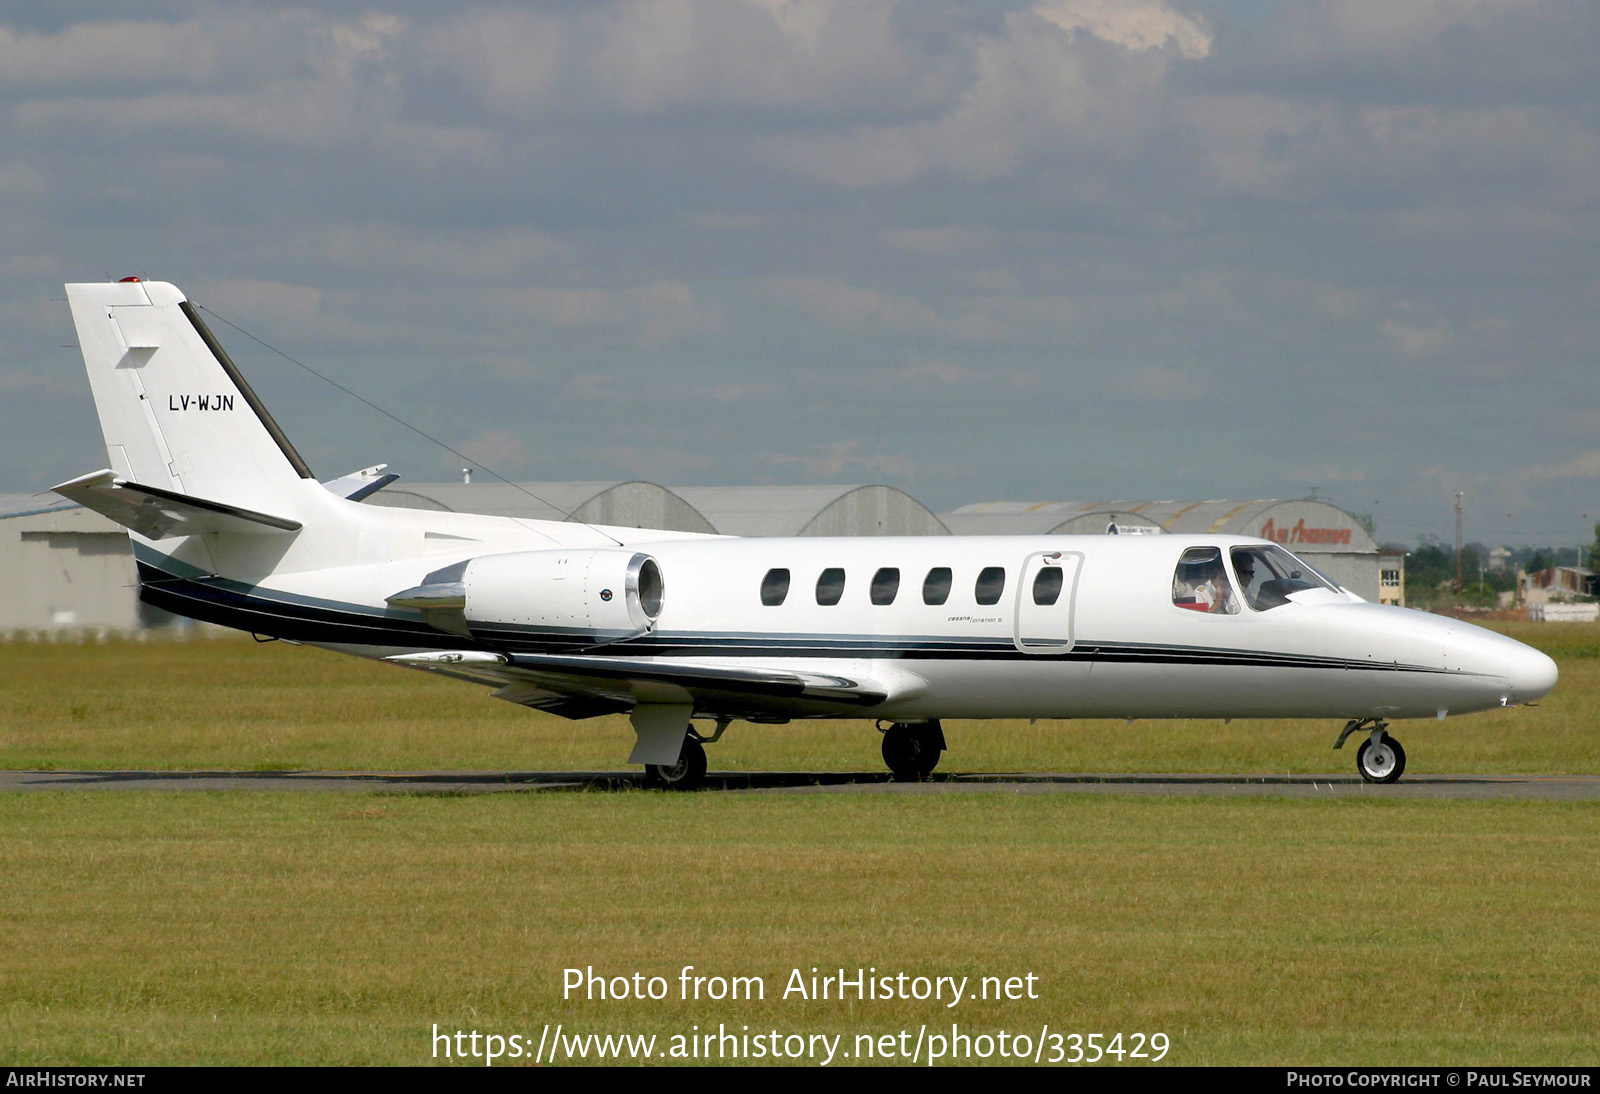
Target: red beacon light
125,280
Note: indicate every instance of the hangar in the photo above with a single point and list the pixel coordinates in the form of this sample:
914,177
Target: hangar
1330,538
814,511
624,504
66,569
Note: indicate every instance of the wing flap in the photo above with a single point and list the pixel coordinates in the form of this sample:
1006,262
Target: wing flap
639,678
158,514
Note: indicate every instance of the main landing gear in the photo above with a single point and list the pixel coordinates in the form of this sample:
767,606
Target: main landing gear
1380,759
911,749
689,773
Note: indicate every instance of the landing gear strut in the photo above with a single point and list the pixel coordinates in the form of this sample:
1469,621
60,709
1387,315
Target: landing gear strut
911,749
1380,759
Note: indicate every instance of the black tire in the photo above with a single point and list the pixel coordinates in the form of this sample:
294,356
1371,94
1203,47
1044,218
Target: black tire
911,749
1384,763
689,773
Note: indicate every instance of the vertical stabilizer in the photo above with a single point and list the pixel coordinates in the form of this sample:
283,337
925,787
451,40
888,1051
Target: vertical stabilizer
175,412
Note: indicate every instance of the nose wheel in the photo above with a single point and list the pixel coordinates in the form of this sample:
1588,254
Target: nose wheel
1381,759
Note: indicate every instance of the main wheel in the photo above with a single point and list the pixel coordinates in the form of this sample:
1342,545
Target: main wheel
687,774
911,749
1383,762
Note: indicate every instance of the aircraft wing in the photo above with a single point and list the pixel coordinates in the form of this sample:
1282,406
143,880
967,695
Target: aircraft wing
580,685
157,514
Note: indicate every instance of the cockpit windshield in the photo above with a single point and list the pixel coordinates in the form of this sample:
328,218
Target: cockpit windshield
1269,575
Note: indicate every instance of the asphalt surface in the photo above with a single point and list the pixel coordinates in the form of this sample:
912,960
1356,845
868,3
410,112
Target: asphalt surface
1474,787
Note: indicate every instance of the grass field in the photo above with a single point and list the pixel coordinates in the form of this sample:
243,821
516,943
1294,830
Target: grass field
148,928
234,704
279,928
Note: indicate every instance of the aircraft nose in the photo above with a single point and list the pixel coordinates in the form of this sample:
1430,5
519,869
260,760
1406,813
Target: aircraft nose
1530,674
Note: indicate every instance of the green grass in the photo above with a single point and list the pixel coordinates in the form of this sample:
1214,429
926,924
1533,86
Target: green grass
233,704
149,928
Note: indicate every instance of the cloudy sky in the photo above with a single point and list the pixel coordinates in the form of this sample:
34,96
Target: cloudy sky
1058,249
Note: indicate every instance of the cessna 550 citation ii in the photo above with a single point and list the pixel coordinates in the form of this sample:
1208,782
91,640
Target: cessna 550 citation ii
229,526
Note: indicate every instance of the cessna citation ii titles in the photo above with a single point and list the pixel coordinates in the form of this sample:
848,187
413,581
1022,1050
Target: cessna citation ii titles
230,526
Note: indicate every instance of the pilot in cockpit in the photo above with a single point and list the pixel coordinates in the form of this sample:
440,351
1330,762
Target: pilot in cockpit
1201,583
1215,592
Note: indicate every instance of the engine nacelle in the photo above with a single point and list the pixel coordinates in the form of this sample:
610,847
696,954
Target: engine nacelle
603,594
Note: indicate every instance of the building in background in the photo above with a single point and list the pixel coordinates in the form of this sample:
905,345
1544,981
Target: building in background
66,568
1329,538
1558,583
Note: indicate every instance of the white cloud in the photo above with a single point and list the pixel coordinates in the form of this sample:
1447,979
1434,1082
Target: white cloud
837,459
1585,466
261,301
1134,24
1033,92
842,305
99,52
513,58
656,312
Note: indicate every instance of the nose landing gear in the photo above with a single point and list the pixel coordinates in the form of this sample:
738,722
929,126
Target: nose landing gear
1380,759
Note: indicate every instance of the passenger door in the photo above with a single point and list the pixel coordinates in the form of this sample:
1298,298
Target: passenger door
1046,599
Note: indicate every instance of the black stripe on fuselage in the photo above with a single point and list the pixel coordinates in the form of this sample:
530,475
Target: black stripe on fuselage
246,608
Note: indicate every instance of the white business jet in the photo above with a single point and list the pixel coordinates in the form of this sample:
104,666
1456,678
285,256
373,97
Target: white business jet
229,526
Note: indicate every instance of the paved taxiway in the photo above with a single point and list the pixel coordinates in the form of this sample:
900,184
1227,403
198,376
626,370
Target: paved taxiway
1478,787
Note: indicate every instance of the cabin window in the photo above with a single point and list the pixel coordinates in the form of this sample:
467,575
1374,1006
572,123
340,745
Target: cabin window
885,584
991,583
1047,585
774,587
936,586
830,586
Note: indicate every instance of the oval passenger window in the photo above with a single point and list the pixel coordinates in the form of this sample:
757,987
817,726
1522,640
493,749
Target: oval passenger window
830,586
774,587
1047,585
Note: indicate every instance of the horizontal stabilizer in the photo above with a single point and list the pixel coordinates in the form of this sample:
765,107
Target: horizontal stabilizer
160,514
585,674
359,485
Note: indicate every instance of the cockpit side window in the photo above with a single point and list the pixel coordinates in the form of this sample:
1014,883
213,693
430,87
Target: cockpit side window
1269,575
1201,583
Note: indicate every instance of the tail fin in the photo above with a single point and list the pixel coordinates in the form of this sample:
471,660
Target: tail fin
176,414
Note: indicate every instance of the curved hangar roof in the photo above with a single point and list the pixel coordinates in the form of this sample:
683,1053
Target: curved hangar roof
729,510
619,504
1302,525
814,511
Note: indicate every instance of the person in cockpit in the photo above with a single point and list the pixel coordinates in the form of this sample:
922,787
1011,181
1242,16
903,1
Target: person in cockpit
1201,584
1215,592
